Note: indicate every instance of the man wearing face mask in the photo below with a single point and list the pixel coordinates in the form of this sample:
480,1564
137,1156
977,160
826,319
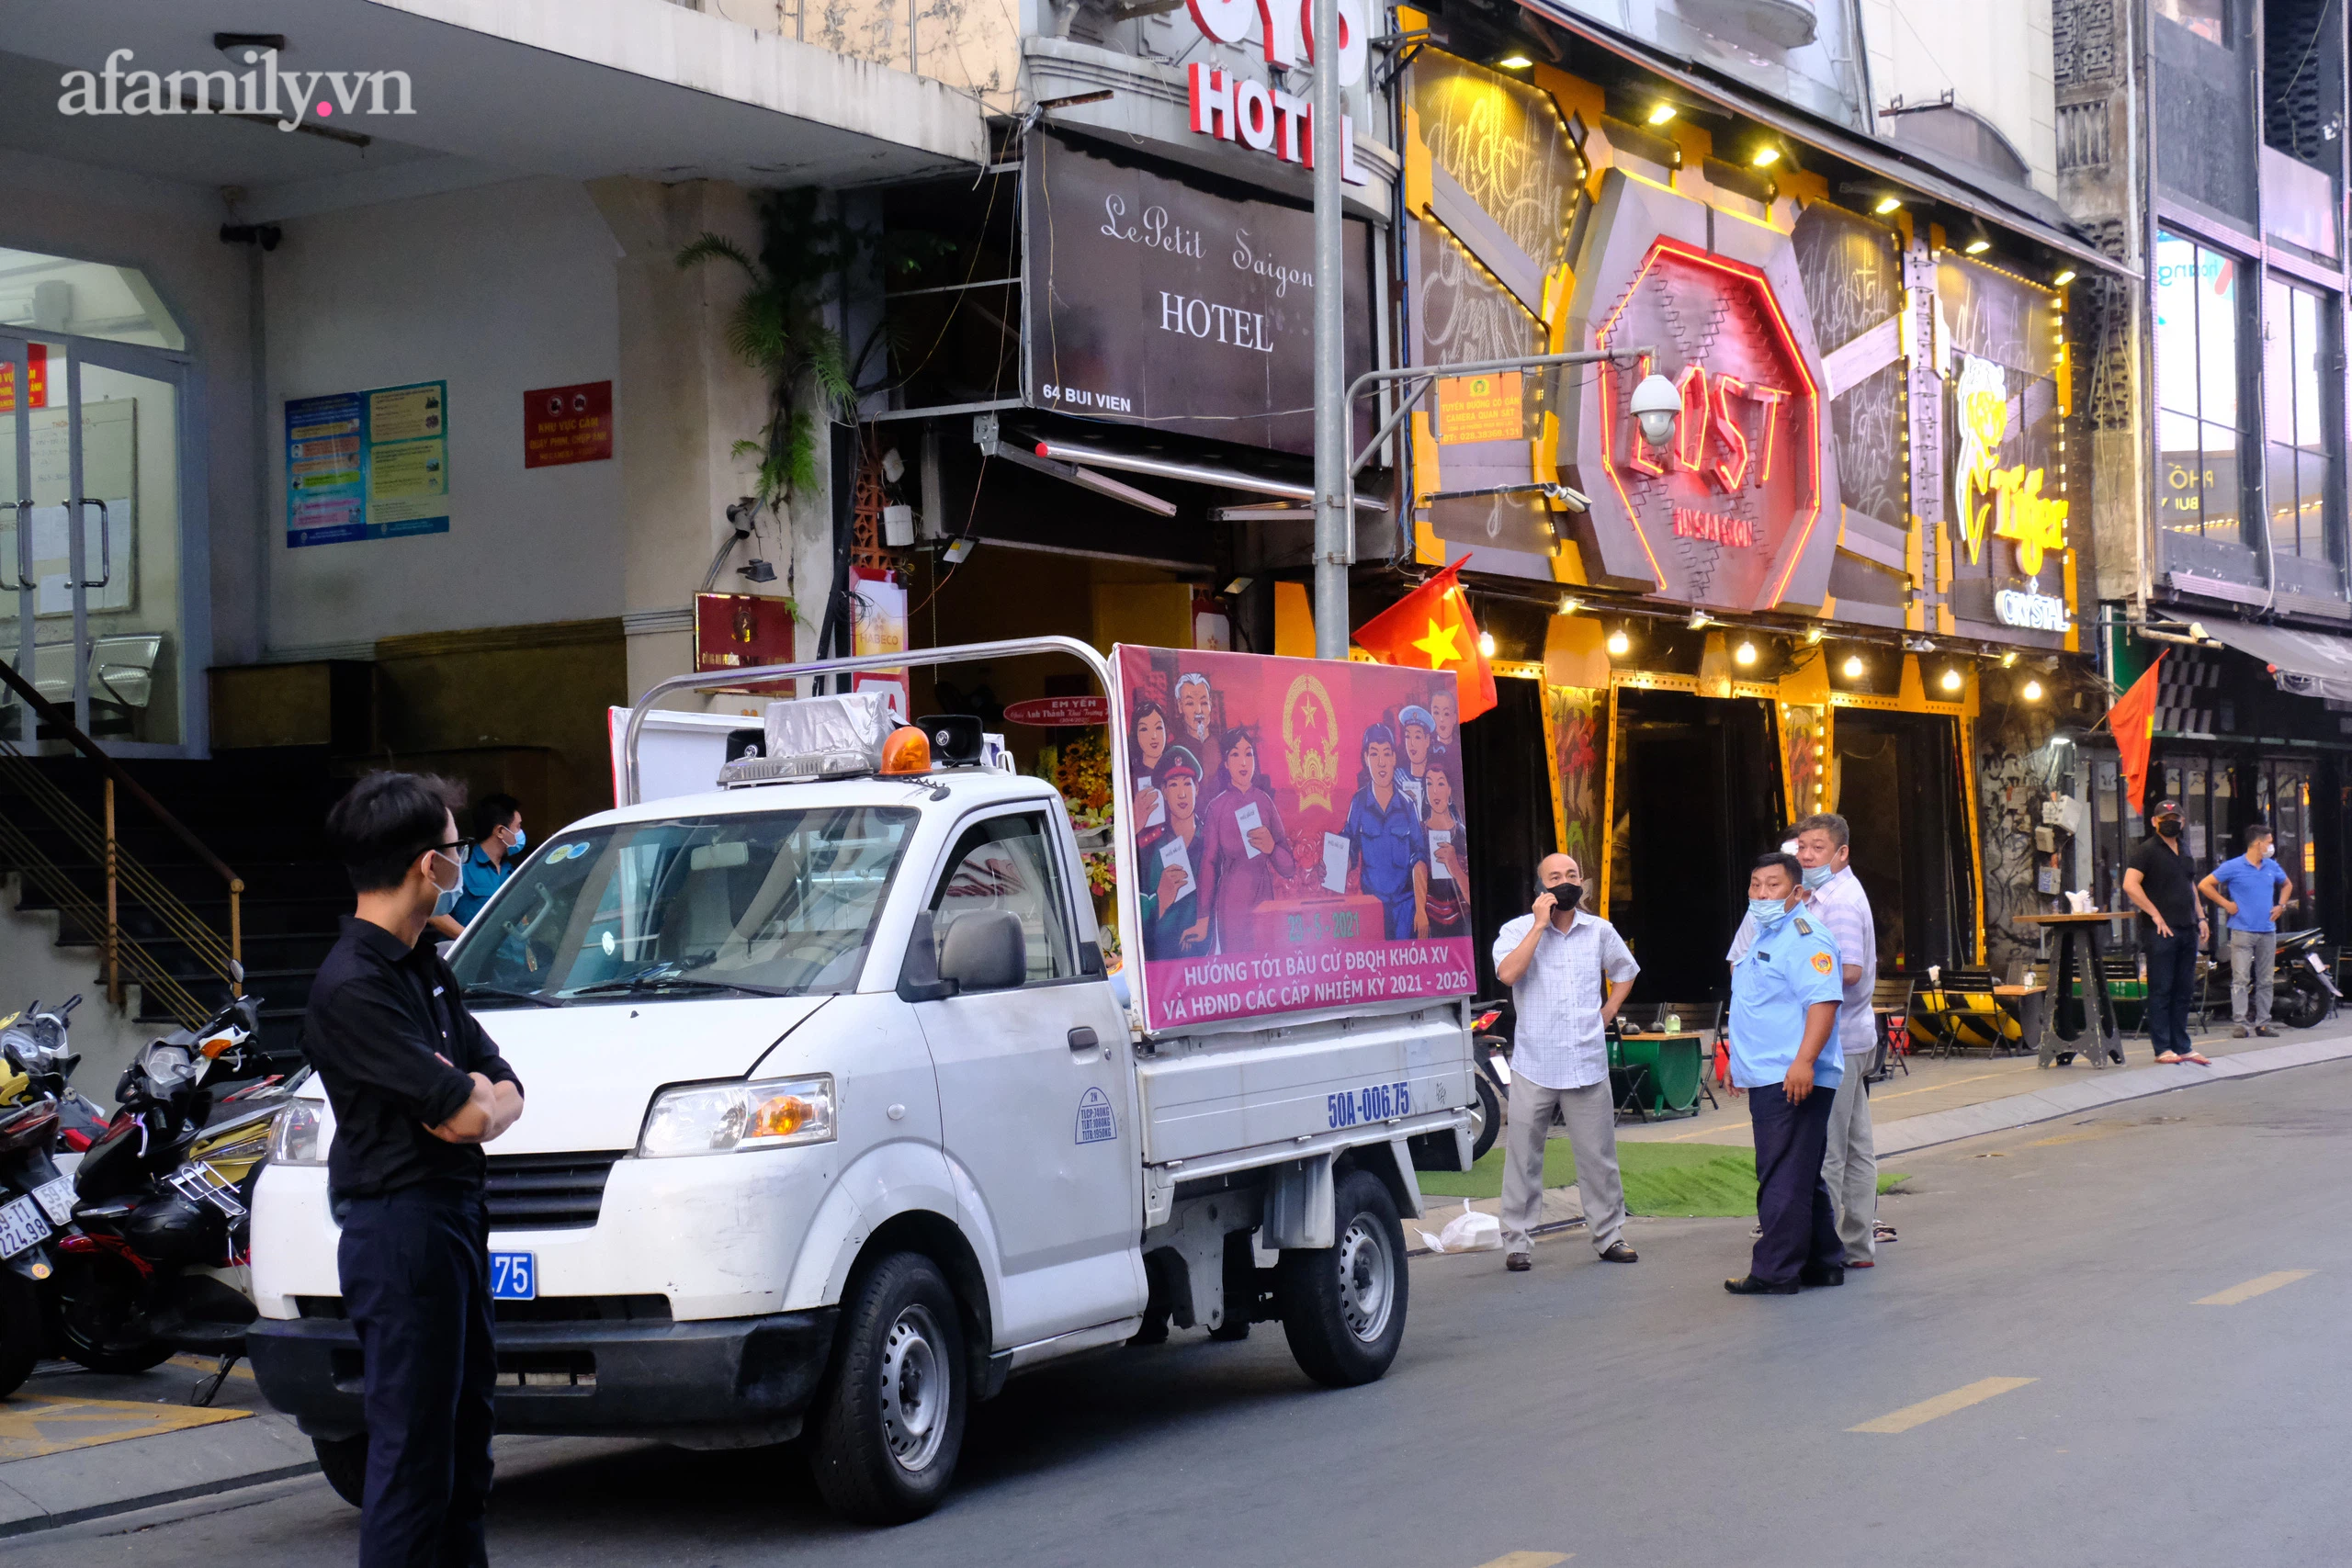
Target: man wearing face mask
2161,883
1785,992
497,850
2254,890
1569,973
417,1089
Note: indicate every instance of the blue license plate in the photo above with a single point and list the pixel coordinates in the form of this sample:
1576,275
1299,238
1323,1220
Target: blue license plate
513,1277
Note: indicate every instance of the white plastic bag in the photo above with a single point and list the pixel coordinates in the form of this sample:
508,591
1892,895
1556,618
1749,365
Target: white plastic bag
1468,1230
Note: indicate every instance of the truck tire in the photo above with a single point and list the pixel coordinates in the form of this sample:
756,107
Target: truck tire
344,1461
892,1426
1485,1119
1344,1307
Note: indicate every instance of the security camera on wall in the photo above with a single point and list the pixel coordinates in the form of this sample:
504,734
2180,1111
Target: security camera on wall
1656,405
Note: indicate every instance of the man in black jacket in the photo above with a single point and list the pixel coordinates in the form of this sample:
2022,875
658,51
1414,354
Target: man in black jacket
417,1087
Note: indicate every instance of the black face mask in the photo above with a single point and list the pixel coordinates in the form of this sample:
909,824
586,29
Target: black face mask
2168,827
1565,892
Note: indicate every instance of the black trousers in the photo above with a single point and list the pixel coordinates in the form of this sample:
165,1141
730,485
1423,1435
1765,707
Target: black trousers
1791,1200
2172,986
416,1283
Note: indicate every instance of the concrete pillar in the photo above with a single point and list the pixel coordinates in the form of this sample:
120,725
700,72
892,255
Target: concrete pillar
683,402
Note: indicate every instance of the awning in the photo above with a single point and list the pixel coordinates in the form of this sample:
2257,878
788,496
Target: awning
1882,159
2310,664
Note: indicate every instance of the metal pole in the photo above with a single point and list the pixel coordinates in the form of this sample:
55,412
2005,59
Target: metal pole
1334,528
114,927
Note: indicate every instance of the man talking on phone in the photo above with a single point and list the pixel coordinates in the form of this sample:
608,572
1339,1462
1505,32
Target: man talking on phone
1569,973
417,1089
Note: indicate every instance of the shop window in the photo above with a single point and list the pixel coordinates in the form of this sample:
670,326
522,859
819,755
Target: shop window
2299,461
2209,19
2197,390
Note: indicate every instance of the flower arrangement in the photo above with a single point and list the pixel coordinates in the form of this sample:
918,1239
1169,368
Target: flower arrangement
1083,772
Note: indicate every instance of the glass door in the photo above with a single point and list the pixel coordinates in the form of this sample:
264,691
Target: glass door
90,537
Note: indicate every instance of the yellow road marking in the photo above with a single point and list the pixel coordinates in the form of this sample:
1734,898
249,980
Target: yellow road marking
1952,1083
26,1420
1528,1560
2262,1285
2088,1135
208,1364
1926,1410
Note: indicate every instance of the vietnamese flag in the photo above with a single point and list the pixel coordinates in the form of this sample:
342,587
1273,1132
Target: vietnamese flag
1431,628
2134,721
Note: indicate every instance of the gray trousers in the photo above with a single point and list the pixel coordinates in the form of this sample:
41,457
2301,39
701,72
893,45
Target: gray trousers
1849,1164
2253,955
1591,1120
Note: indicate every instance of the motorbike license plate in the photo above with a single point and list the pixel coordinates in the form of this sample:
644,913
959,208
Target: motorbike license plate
20,1226
514,1277
56,1198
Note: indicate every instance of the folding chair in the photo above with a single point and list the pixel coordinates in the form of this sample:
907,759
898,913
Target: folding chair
1963,1014
1891,1006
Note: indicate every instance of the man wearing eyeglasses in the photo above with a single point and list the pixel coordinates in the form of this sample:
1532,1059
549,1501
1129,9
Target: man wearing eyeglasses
417,1089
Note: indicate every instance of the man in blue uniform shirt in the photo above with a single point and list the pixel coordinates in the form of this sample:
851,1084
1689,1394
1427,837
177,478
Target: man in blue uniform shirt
1784,995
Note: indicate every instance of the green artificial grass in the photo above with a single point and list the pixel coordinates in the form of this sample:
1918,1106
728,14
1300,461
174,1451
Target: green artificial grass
1694,1179
1889,1183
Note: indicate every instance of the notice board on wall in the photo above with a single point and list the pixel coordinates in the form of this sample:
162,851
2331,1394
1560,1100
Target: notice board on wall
372,465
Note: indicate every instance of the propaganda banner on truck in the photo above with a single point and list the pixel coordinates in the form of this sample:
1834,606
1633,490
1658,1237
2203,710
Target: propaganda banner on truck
1298,834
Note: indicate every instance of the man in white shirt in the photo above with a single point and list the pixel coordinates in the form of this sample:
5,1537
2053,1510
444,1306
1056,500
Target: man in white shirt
1833,893
1569,971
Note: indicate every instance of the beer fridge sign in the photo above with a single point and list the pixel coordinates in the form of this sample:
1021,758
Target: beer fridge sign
1156,301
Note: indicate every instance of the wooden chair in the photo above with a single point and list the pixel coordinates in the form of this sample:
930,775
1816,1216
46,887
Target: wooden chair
1890,1005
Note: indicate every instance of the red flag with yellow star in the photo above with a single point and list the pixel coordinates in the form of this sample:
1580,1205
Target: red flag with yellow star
1431,628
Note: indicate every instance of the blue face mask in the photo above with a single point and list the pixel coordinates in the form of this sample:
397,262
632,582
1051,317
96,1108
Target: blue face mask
520,837
446,898
1766,913
1815,875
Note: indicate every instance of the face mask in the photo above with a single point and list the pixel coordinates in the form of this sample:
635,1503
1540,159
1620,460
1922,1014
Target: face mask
447,896
2169,827
1766,913
1565,892
1815,875
520,840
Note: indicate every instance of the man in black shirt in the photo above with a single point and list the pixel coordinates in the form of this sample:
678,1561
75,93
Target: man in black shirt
2160,881
417,1087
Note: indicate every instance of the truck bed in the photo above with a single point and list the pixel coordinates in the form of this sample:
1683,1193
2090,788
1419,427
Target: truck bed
1227,1100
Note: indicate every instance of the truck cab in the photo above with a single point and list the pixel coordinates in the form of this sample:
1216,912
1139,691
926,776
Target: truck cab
836,1117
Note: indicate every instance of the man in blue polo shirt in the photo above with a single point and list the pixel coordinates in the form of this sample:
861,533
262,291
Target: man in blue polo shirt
1784,995
2255,890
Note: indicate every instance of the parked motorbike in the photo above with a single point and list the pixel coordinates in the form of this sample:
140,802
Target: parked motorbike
1491,1054
35,1199
2302,992
162,1204
36,1041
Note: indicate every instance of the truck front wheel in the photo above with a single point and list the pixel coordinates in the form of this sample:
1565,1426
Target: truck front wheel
893,1425
1344,1307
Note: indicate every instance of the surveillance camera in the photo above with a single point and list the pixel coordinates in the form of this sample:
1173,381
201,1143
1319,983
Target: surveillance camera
1655,406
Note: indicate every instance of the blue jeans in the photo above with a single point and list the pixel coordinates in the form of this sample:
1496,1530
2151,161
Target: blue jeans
2172,977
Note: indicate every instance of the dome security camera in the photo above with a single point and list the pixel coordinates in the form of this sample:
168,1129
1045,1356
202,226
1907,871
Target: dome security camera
1656,405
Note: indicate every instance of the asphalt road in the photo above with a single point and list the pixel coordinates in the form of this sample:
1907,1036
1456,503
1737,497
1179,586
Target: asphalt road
1627,1414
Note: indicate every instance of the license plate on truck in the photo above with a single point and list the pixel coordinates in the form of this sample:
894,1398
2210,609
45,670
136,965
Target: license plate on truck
20,1226
513,1277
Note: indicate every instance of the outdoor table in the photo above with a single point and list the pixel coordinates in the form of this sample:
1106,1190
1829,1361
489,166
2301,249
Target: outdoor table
2093,1012
1661,1071
2032,1012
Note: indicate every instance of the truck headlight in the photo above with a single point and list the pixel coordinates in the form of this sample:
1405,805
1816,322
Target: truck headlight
299,1135
710,1119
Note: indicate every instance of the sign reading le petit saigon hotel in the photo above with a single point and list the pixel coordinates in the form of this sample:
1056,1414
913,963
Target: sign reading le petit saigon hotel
1158,300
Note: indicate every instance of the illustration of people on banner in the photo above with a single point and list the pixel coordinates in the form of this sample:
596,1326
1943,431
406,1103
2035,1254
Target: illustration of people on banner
1298,832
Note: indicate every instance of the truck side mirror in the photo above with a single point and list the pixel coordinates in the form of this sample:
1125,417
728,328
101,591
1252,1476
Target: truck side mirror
919,978
985,950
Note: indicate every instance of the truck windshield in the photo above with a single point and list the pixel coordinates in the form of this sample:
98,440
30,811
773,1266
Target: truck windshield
781,904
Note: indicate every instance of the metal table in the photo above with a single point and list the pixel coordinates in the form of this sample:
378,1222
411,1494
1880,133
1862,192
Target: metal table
2092,1013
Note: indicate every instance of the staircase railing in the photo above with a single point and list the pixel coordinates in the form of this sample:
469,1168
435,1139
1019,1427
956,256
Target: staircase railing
128,880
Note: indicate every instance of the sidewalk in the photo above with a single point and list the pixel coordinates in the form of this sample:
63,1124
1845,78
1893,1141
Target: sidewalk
1946,1099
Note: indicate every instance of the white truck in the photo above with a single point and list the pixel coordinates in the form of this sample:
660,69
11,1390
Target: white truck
835,1121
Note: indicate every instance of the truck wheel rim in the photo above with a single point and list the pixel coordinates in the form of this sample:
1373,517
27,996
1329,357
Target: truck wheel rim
914,1390
1367,1280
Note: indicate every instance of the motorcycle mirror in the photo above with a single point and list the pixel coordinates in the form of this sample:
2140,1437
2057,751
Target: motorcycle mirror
236,971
